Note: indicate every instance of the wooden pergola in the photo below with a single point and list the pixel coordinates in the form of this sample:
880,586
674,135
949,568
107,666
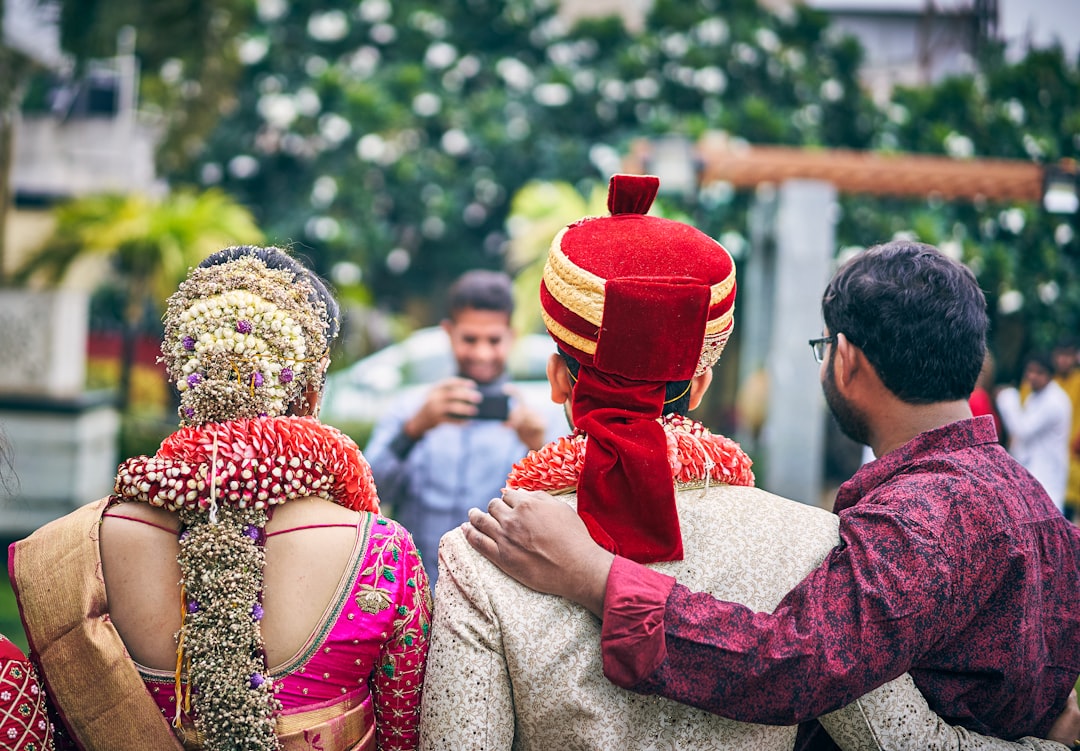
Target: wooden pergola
866,172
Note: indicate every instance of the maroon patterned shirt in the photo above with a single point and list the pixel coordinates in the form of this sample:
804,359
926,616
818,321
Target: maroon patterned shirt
953,565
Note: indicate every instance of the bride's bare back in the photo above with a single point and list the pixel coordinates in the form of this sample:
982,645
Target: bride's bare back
303,572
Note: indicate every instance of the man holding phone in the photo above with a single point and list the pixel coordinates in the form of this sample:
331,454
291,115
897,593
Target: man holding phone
435,456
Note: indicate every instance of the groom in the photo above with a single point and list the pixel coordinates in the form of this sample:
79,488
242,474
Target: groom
953,563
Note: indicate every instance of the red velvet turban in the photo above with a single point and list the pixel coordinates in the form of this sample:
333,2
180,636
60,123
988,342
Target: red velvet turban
638,301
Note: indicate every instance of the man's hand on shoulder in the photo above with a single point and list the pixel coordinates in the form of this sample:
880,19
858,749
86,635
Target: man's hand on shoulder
542,543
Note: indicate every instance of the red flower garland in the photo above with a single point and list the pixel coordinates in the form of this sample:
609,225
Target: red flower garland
256,463
693,453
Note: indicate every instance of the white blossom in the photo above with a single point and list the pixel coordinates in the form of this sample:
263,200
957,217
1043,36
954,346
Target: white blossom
712,31
426,104
515,73
329,26
334,128
959,146
440,55
552,94
455,142
1010,302
374,11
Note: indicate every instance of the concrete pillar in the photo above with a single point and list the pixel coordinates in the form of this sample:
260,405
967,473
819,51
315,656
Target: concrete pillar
63,441
793,437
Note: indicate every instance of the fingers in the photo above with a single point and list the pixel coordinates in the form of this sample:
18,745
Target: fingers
483,544
514,498
482,532
498,510
511,497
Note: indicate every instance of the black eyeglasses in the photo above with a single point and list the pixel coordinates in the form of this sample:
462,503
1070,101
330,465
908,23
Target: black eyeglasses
817,346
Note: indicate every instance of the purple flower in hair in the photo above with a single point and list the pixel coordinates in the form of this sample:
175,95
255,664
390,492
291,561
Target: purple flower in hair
286,375
194,379
243,327
256,612
257,379
189,412
188,342
257,680
193,607
251,531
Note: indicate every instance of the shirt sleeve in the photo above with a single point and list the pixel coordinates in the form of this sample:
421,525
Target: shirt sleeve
388,466
896,717
399,675
632,631
468,701
852,624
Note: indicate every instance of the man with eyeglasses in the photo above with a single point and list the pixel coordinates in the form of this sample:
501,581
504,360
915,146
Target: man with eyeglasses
953,564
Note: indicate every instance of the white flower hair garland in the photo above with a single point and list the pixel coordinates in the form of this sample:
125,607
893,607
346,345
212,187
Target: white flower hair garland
242,340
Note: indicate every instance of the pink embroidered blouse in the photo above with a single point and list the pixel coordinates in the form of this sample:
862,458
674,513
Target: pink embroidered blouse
370,646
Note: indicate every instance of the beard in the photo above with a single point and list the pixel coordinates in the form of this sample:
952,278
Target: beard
851,421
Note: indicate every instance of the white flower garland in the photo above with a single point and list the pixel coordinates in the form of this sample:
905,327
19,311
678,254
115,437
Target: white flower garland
241,340
256,331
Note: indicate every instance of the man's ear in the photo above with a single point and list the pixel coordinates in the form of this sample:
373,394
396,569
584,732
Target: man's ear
699,384
558,375
850,360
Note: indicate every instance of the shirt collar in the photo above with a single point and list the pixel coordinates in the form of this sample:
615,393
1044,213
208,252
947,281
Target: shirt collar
952,437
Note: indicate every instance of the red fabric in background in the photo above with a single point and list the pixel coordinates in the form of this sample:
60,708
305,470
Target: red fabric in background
981,404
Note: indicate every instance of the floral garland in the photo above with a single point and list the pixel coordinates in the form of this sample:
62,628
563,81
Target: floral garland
250,463
696,456
241,340
222,478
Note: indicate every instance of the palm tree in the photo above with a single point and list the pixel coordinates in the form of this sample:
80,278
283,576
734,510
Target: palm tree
151,244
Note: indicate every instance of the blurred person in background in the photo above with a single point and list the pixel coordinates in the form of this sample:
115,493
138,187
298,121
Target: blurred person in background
1039,426
1066,357
436,455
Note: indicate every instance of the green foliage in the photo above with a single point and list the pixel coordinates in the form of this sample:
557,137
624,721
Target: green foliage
10,623
537,213
394,135
1027,260
151,243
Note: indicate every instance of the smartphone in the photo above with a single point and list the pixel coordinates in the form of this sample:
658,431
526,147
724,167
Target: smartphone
493,406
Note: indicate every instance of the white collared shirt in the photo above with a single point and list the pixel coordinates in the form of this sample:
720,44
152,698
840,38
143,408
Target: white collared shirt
1039,434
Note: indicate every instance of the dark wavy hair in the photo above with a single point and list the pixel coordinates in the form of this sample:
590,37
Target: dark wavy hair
919,317
276,258
481,289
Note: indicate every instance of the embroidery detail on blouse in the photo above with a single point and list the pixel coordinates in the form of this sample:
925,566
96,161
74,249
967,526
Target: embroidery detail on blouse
372,599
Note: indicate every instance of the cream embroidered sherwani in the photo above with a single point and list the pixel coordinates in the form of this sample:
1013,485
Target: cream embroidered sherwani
510,668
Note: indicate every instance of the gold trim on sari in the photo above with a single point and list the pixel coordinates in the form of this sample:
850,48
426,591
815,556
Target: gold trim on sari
345,725
90,679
